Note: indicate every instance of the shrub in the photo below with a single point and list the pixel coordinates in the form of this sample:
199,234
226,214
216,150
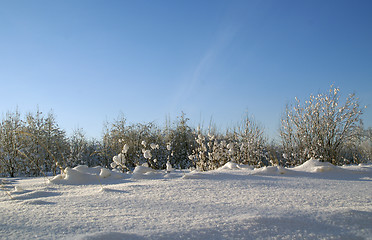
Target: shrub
252,143
321,127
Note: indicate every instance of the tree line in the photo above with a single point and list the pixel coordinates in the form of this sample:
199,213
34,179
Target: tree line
322,127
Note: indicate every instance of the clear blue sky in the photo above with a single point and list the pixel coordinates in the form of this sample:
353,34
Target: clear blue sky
90,60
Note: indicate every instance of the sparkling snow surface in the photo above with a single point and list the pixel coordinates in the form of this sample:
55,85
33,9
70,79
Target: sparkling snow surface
313,201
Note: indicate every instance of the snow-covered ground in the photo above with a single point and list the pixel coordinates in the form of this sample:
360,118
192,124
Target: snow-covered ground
312,201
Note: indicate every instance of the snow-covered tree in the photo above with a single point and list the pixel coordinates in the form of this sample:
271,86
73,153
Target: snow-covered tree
79,149
359,150
118,133
55,141
320,127
252,143
180,142
366,145
31,146
10,144
45,143
202,153
212,150
34,149
114,134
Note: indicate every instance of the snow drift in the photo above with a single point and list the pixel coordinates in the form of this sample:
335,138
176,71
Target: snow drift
82,174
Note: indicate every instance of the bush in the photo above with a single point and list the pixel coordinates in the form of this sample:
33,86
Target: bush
252,143
180,143
321,128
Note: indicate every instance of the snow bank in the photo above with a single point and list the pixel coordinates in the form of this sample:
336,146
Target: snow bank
316,166
84,175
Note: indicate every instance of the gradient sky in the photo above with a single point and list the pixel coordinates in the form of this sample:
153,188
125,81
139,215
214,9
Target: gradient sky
91,60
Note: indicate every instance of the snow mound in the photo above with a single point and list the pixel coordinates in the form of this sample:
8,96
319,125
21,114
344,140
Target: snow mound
316,166
75,176
104,173
193,175
230,166
82,174
88,170
143,172
270,170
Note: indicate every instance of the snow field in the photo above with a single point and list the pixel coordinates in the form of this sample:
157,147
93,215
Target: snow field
312,201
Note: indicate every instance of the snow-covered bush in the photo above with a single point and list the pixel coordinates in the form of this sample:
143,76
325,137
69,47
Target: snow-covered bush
151,155
31,146
10,142
180,142
120,161
202,153
212,151
81,150
252,143
118,132
359,150
321,127
366,145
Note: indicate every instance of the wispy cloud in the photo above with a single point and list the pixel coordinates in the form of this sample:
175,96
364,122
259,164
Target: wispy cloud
222,40
192,82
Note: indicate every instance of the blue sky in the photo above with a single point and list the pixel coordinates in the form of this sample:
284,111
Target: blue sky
91,60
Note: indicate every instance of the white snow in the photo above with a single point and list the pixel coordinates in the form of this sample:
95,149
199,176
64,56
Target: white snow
83,175
169,167
125,148
314,165
271,170
230,166
147,154
139,170
312,201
